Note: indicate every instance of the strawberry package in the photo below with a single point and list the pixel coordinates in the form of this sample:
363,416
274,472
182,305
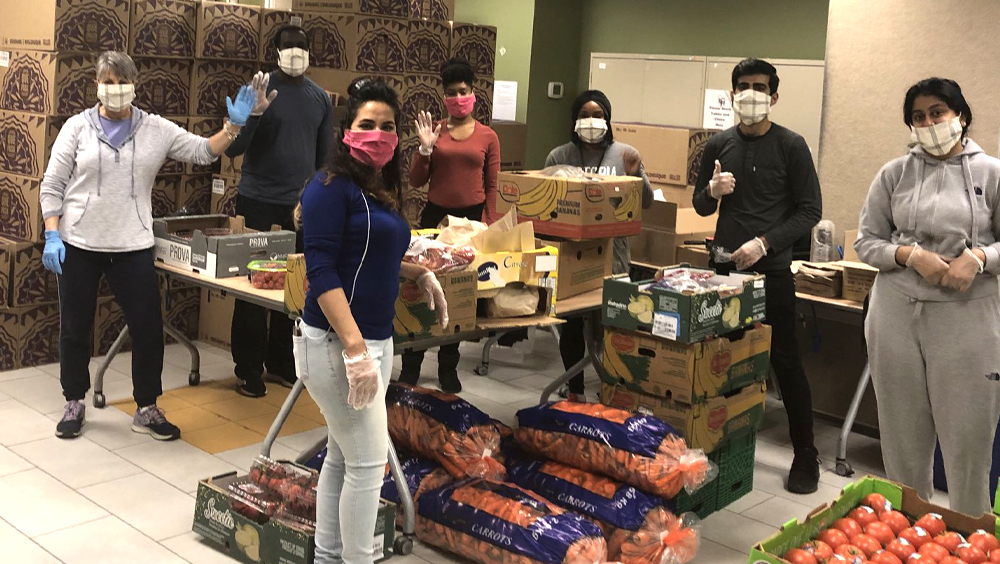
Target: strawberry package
438,257
293,486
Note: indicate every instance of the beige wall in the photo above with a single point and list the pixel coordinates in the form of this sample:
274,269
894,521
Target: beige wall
875,51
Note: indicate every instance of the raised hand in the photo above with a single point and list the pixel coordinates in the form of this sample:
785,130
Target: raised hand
427,132
722,183
259,85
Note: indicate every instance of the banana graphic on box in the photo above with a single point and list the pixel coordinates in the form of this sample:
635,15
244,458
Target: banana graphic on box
702,436
543,199
613,363
629,208
405,322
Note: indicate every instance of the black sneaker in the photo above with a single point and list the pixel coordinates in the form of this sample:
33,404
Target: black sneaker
72,420
286,381
255,389
150,420
803,478
450,383
408,378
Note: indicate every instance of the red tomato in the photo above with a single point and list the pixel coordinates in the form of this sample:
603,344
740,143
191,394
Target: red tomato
849,526
799,556
952,560
915,536
850,552
885,557
833,537
984,541
934,550
921,559
863,515
878,502
896,521
950,540
867,543
970,554
932,523
819,549
882,532
901,548
995,555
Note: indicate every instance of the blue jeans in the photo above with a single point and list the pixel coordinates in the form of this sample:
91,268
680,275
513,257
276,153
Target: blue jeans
357,449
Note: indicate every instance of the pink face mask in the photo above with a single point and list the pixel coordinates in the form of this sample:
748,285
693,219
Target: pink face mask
373,148
460,106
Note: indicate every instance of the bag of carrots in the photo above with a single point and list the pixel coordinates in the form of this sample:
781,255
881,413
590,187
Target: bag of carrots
498,523
421,476
444,428
640,450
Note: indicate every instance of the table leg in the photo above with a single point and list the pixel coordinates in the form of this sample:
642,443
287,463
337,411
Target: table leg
409,513
592,358
843,466
99,400
484,368
194,377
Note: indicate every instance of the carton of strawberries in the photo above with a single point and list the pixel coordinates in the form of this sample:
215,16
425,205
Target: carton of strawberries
293,486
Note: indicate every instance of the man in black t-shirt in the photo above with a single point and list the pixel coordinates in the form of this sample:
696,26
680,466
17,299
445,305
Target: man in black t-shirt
761,178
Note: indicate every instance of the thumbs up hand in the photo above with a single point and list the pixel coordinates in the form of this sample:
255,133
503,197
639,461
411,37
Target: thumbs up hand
722,183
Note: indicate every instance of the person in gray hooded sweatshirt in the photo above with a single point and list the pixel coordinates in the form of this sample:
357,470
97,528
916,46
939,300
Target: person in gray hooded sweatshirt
97,206
931,226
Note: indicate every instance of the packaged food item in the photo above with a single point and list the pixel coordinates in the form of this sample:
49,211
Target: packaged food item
438,257
685,280
663,538
268,274
497,523
251,501
299,504
421,475
640,450
444,428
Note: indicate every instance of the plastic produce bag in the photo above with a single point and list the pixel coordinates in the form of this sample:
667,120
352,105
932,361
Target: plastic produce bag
497,523
686,280
459,231
421,475
444,428
514,300
437,256
640,450
663,538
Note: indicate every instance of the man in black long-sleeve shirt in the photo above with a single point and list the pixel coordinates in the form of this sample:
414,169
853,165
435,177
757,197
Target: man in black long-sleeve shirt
761,178
282,148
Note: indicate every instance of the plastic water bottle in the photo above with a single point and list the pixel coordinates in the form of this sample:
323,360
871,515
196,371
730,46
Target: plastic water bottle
822,242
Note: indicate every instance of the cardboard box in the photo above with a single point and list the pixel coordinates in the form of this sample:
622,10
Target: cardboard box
65,25
26,141
215,318
181,310
544,303
396,81
476,44
429,46
331,80
39,335
660,248
225,189
20,210
437,10
684,317
170,166
707,425
687,373
332,37
670,155
212,81
164,197
483,110
594,207
296,283
10,330
217,256
414,321
231,166
343,6
858,280
59,84
8,248
382,45
391,8
163,29
582,265
819,279
669,216
109,320
205,127
164,86
513,137
195,193
850,254
228,31
538,267
680,195
695,255
23,279
423,92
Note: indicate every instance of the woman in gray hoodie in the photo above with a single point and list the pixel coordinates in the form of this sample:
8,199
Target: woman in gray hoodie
97,206
931,226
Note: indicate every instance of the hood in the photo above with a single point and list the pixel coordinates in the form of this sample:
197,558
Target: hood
93,117
970,148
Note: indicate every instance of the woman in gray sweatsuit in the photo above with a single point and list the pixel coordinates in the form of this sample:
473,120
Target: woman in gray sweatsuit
97,206
930,225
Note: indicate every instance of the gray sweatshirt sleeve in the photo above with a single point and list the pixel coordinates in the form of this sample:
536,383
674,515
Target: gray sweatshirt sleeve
60,168
992,252
647,189
874,244
185,146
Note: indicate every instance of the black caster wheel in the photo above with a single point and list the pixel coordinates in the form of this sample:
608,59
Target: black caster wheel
482,370
844,469
194,378
402,545
100,401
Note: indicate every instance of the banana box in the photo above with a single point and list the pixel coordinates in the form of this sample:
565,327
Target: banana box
685,316
296,283
687,373
415,321
707,425
592,207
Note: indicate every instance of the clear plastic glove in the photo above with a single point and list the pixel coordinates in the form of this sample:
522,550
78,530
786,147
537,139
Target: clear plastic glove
748,255
364,380
259,86
928,264
239,110
427,132
54,253
962,271
722,183
428,282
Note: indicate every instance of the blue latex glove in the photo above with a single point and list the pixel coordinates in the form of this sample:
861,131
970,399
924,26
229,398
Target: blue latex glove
240,110
55,252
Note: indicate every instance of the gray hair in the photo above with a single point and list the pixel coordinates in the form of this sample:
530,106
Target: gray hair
118,63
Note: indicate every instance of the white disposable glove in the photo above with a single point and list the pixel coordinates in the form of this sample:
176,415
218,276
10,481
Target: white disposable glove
427,133
363,378
259,85
435,296
748,255
722,183
930,265
962,271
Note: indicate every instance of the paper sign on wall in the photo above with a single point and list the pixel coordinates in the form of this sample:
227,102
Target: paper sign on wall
504,100
718,110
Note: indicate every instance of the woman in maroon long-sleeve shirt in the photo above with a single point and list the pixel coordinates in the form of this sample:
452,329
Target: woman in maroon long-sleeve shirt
460,157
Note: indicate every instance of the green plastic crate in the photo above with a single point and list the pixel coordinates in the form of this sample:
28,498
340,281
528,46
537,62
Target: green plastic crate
736,465
702,502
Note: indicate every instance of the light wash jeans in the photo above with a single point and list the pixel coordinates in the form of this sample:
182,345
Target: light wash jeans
357,449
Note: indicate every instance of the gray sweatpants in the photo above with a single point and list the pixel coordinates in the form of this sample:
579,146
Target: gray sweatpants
934,366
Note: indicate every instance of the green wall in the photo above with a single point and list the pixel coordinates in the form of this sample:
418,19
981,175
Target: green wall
513,20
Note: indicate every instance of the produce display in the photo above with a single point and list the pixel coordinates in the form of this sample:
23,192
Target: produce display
251,501
293,487
686,280
640,450
267,274
438,257
444,428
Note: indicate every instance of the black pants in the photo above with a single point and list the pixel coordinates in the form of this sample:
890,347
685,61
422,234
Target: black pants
260,337
133,281
448,355
572,349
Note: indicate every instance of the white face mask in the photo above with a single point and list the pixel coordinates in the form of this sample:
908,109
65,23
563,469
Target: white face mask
939,139
591,130
751,106
293,61
116,97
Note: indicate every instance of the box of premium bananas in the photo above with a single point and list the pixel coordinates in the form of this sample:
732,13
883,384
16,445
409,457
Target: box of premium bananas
589,207
415,321
687,373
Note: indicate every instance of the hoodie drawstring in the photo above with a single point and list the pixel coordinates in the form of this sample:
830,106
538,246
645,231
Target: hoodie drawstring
100,163
971,191
916,198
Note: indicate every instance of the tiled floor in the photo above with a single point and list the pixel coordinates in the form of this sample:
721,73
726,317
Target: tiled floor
116,496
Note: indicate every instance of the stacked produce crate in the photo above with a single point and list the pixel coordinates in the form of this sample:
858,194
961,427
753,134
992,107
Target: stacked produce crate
691,351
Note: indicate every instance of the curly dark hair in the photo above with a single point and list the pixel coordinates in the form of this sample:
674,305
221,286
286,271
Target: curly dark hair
455,71
947,90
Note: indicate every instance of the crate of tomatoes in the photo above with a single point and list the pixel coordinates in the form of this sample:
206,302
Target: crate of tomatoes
875,521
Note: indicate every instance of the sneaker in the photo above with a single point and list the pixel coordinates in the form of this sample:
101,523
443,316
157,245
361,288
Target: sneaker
72,420
287,382
450,383
803,478
576,398
408,379
250,389
150,420
563,391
